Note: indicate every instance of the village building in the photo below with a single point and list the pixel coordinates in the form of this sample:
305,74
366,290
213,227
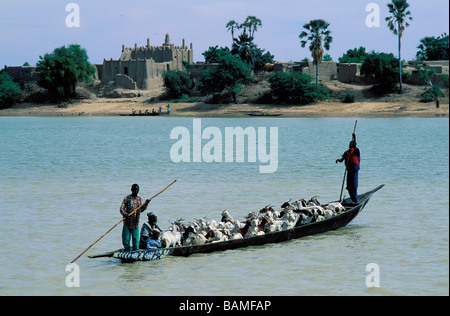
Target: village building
142,67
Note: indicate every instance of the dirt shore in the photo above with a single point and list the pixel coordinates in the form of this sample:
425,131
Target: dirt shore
114,107
366,105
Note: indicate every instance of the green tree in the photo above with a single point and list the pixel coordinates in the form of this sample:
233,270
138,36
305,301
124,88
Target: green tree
10,92
230,75
177,83
63,69
316,33
214,53
356,55
261,58
397,22
433,48
327,57
434,92
296,88
243,45
383,69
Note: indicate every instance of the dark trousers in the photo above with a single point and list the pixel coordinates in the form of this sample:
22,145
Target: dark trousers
352,185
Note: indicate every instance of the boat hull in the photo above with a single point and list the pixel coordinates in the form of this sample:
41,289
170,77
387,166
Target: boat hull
333,223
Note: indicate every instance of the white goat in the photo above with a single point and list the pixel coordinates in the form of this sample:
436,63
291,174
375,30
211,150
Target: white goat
234,229
236,236
253,230
336,207
195,237
171,237
328,213
273,225
299,204
226,216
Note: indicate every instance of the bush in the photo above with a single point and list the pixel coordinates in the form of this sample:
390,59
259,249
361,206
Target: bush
177,83
356,55
10,92
296,88
432,94
261,58
348,98
382,69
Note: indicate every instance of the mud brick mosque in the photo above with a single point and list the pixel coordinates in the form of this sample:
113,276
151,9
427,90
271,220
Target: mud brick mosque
142,67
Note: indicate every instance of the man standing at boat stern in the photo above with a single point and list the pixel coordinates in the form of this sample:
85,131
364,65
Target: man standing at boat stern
352,159
130,228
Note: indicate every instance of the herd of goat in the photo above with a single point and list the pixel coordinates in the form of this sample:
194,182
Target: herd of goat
267,220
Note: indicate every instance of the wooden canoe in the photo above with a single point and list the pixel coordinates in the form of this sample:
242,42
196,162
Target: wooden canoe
335,222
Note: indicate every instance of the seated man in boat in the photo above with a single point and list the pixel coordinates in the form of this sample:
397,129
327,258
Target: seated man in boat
154,242
352,159
148,229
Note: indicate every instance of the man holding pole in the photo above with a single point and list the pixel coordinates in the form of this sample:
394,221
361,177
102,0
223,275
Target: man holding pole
125,217
352,159
130,228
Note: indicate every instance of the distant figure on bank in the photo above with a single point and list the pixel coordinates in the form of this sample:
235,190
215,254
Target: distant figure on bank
168,109
130,228
148,229
160,110
352,159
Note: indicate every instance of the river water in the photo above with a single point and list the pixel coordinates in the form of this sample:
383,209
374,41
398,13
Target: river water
62,180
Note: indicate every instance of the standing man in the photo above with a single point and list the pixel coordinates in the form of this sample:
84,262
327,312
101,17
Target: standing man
130,228
352,159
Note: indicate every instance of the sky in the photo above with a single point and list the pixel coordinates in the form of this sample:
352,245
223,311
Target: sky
31,28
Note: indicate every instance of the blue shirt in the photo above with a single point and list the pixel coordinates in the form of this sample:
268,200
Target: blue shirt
153,244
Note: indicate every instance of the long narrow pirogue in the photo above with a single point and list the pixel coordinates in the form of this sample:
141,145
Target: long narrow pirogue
300,230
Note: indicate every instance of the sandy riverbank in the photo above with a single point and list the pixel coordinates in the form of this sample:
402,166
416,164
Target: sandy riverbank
366,105
113,107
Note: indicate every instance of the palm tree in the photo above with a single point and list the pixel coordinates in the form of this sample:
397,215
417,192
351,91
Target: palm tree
231,26
397,22
252,23
316,33
243,47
